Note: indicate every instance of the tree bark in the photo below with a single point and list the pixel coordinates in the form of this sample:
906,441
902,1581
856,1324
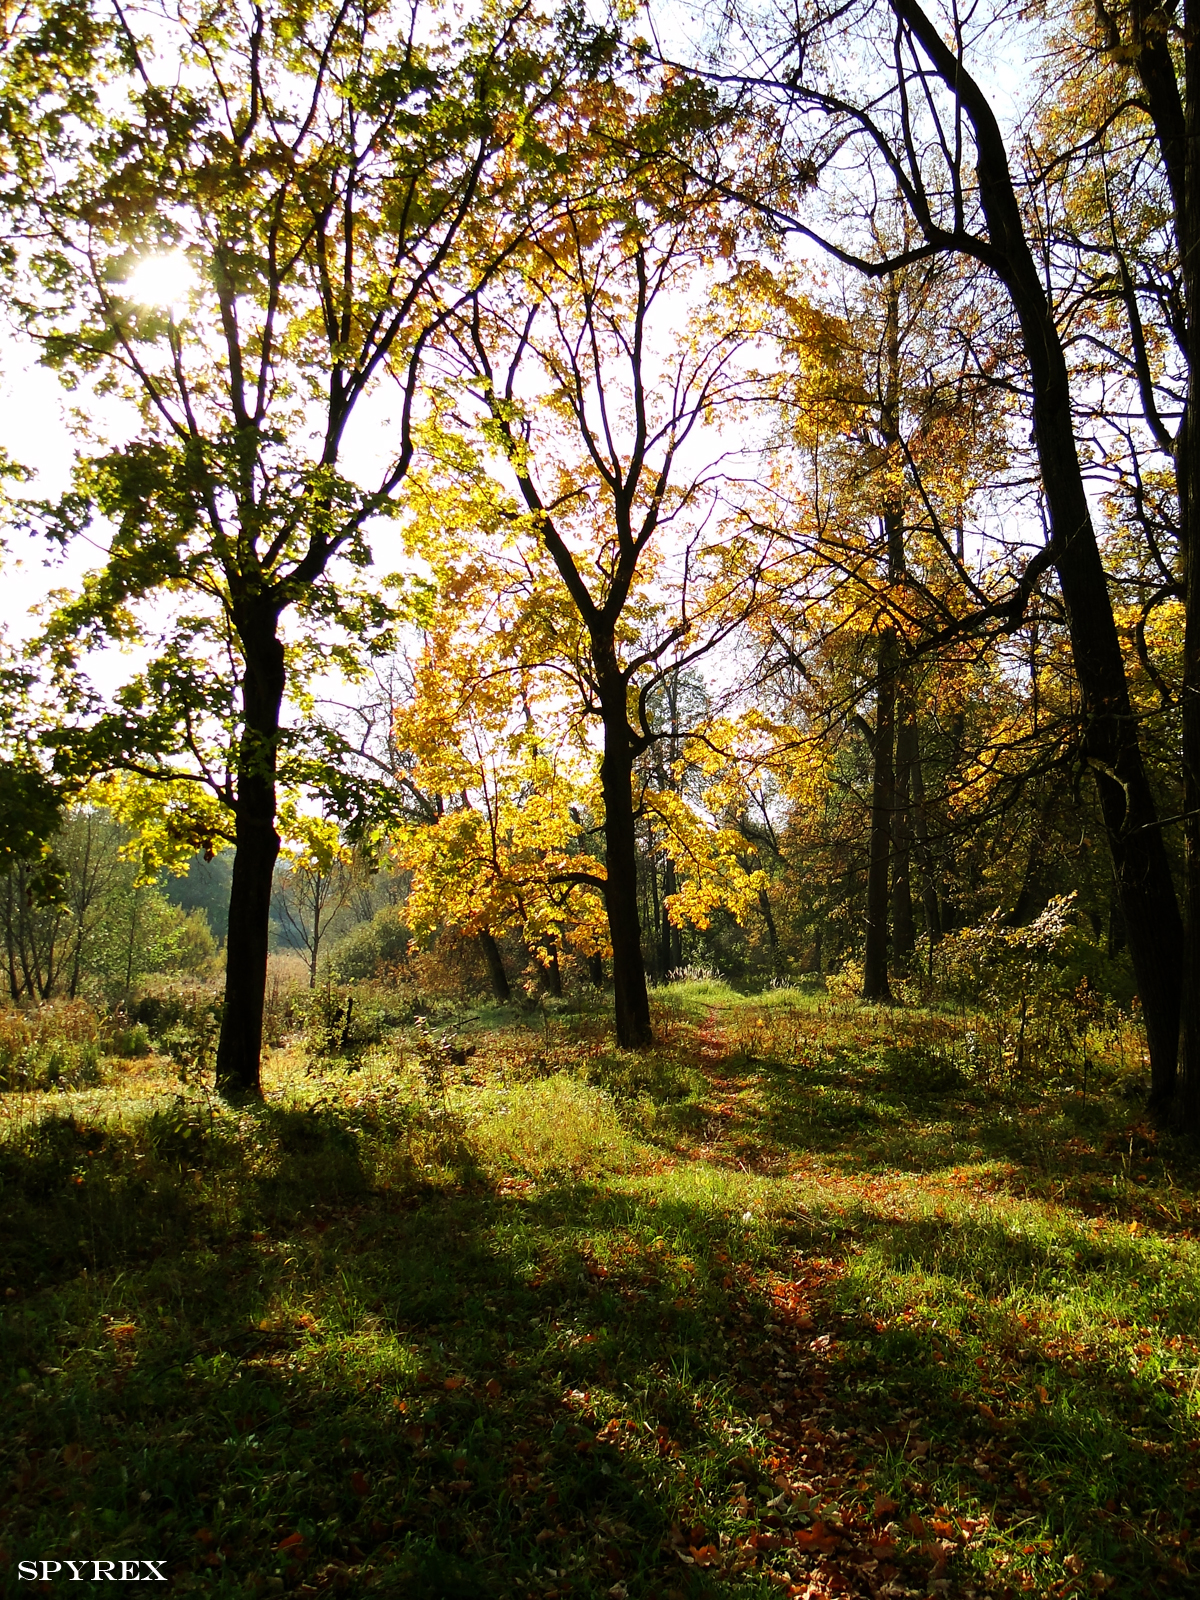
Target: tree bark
256,849
904,935
495,965
929,894
1186,1108
887,676
1110,736
631,999
549,971
875,954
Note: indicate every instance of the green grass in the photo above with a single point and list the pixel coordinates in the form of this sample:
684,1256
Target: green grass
790,1305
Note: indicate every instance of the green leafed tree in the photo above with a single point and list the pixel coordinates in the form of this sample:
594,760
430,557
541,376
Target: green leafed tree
236,233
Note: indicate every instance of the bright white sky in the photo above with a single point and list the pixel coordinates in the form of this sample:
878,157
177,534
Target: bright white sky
33,430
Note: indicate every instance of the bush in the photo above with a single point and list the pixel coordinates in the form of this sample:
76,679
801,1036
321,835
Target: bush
1031,1015
375,949
339,1024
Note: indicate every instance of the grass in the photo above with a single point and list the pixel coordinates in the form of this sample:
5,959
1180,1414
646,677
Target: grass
793,1305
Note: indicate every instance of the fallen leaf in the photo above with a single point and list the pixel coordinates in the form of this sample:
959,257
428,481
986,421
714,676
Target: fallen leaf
455,1383
358,1482
493,1389
884,1505
818,1537
292,1540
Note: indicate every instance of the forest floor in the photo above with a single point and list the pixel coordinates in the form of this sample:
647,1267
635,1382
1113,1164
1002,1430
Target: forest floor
789,1306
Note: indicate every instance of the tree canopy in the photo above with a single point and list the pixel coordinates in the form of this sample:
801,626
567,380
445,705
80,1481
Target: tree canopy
715,500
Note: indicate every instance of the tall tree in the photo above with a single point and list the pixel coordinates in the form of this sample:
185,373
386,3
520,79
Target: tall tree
249,227
917,119
592,374
1113,151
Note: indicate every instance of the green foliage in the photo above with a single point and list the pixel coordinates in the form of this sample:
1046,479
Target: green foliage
339,1024
375,949
52,1047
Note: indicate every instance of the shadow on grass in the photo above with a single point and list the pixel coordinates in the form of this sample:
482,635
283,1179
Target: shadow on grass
231,1347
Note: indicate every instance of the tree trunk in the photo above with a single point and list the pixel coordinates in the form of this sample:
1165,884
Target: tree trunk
631,999
1110,736
875,955
256,849
768,916
929,895
1186,1109
549,971
904,935
495,965
666,930
883,788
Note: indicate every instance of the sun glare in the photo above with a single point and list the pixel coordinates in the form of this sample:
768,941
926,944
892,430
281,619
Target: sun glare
161,280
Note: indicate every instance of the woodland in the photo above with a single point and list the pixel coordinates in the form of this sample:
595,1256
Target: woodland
617,701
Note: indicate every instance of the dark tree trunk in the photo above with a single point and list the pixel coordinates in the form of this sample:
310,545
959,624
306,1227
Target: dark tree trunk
1186,1109
631,999
768,916
883,787
1110,736
875,955
495,965
666,930
549,971
904,935
929,895
256,850
1116,928
596,969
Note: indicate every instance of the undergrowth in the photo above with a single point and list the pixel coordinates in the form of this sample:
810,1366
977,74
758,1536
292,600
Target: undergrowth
796,1303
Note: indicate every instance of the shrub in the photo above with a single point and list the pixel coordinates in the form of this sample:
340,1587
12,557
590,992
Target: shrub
374,949
339,1024
1030,1014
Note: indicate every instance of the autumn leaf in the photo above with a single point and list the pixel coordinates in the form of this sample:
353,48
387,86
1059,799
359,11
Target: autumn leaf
818,1537
884,1505
358,1482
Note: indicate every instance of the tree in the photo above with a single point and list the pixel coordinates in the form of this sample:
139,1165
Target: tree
494,835
588,374
243,253
1111,149
920,114
314,888
892,454
104,926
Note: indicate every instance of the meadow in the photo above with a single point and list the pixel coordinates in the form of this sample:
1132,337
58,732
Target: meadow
803,1302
